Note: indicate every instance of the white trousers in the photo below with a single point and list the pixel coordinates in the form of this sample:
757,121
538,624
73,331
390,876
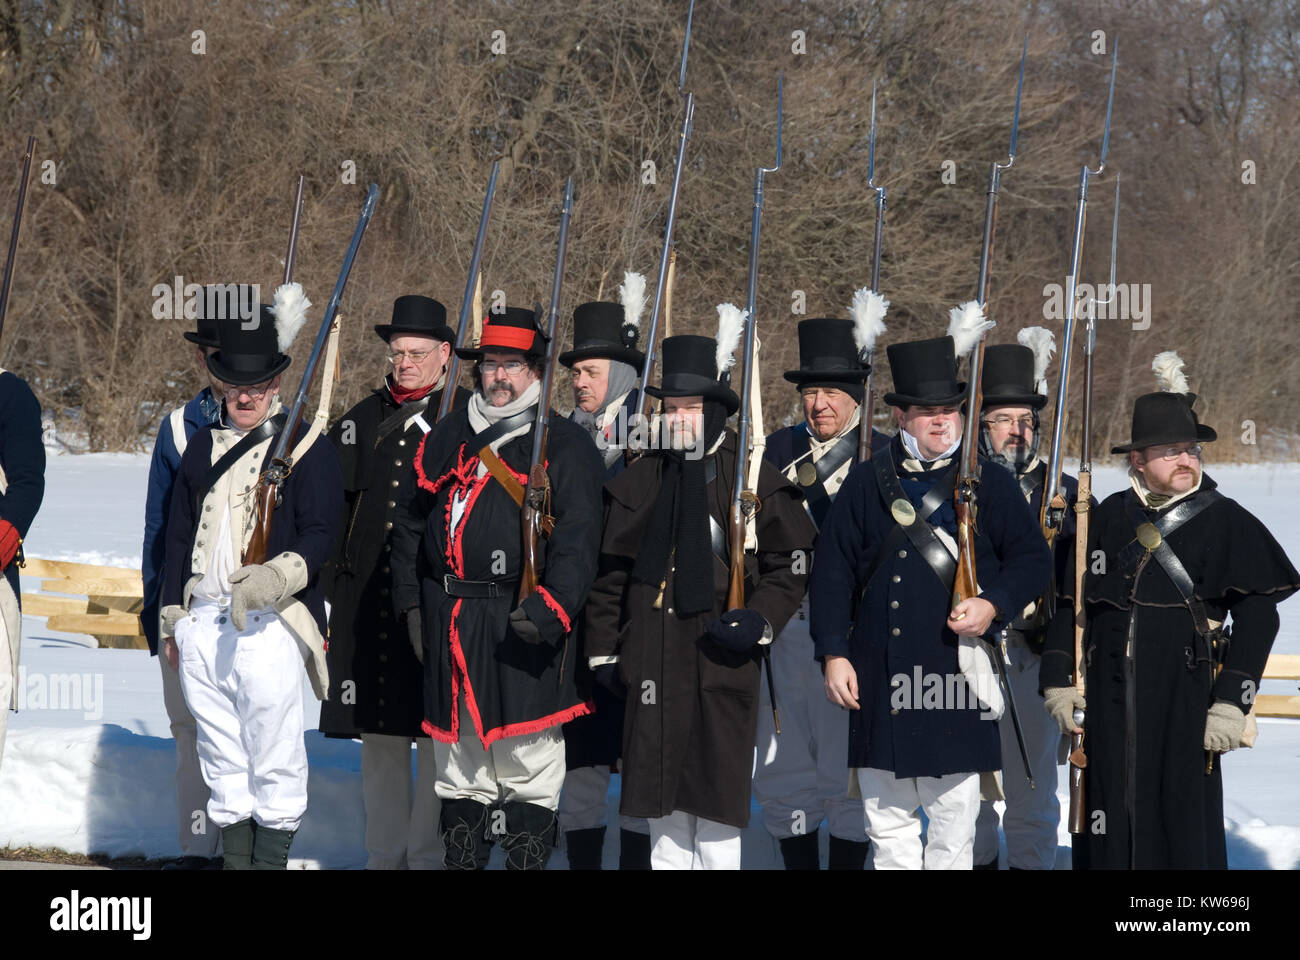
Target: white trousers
894,824
245,691
1032,816
525,769
584,802
7,681
683,841
401,830
801,776
197,837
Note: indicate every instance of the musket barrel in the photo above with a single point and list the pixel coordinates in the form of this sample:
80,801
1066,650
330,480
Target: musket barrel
17,228
293,231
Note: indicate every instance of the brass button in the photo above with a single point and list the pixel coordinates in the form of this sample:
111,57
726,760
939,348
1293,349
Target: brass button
401,443
391,504
670,609
394,483
388,525
893,604
397,463
896,631
897,578
902,554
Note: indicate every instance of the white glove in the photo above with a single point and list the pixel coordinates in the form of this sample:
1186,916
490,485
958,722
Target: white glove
254,587
1224,724
1061,702
171,615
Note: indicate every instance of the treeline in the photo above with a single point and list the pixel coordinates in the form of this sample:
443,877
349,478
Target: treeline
170,136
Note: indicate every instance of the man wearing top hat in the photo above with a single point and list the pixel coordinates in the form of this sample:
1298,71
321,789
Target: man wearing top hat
198,839
911,669
244,631
605,367
1169,686
22,488
1014,391
498,674
376,680
799,777
657,621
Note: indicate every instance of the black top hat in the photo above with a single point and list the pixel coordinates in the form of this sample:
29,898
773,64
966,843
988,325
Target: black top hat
513,330
1164,418
217,300
420,315
600,330
247,356
925,374
690,368
827,354
1008,377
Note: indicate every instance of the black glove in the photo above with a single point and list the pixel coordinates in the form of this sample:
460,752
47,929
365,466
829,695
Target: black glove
738,630
524,628
607,676
413,631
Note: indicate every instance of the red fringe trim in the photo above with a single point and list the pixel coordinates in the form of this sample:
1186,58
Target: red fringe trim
555,608
533,726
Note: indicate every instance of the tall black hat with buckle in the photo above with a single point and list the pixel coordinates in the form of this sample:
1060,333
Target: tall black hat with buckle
1167,416
513,330
254,350
609,330
414,314
215,301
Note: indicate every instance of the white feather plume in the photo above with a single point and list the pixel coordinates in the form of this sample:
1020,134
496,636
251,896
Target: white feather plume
966,324
1043,342
731,323
290,309
1168,367
868,312
631,294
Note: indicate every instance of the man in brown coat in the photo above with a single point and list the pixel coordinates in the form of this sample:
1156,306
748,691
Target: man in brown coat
657,620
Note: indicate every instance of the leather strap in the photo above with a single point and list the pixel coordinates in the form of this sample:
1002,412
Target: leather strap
816,495
500,472
262,431
474,589
1030,481
1164,555
918,532
403,413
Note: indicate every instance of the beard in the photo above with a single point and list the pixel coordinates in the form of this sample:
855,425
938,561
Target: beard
501,393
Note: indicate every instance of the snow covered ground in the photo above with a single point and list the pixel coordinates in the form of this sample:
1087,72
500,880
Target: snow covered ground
89,762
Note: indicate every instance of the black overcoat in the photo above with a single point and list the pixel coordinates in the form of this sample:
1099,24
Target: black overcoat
376,684
692,707
511,687
1148,798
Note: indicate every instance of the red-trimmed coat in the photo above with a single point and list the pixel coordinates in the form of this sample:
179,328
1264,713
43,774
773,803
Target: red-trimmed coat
511,687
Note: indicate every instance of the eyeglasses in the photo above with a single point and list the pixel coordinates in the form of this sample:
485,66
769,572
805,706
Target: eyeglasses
254,392
511,367
1173,453
1005,423
415,356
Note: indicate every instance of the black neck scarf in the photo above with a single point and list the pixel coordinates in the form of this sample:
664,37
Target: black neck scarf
679,525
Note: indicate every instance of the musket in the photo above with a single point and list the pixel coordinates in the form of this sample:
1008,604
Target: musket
13,234
965,583
648,366
537,494
744,503
866,354
293,231
1053,507
279,465
453,366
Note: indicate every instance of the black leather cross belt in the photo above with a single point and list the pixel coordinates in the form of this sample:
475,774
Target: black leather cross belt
474,589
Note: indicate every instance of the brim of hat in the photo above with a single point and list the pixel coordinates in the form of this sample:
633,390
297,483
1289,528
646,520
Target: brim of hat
1035,401
1204,434
904,400
827,376
724,395
626,355
198,341
245,378
470,353
387,331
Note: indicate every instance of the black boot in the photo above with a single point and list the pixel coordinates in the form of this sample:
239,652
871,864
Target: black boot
237,845
848,854
633,850
585,847
271,848
530,835
463,823
801,853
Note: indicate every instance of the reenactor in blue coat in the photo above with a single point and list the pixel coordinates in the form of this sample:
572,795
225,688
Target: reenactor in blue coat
605,368
799,776
1014,391
909,667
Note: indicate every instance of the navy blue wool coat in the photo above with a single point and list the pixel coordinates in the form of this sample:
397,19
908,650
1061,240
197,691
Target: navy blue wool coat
23,457
897,625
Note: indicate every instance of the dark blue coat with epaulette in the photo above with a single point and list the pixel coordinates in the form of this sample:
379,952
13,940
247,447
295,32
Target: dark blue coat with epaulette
897,624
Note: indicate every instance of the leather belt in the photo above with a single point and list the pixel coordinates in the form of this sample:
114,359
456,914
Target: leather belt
919,531
474,589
